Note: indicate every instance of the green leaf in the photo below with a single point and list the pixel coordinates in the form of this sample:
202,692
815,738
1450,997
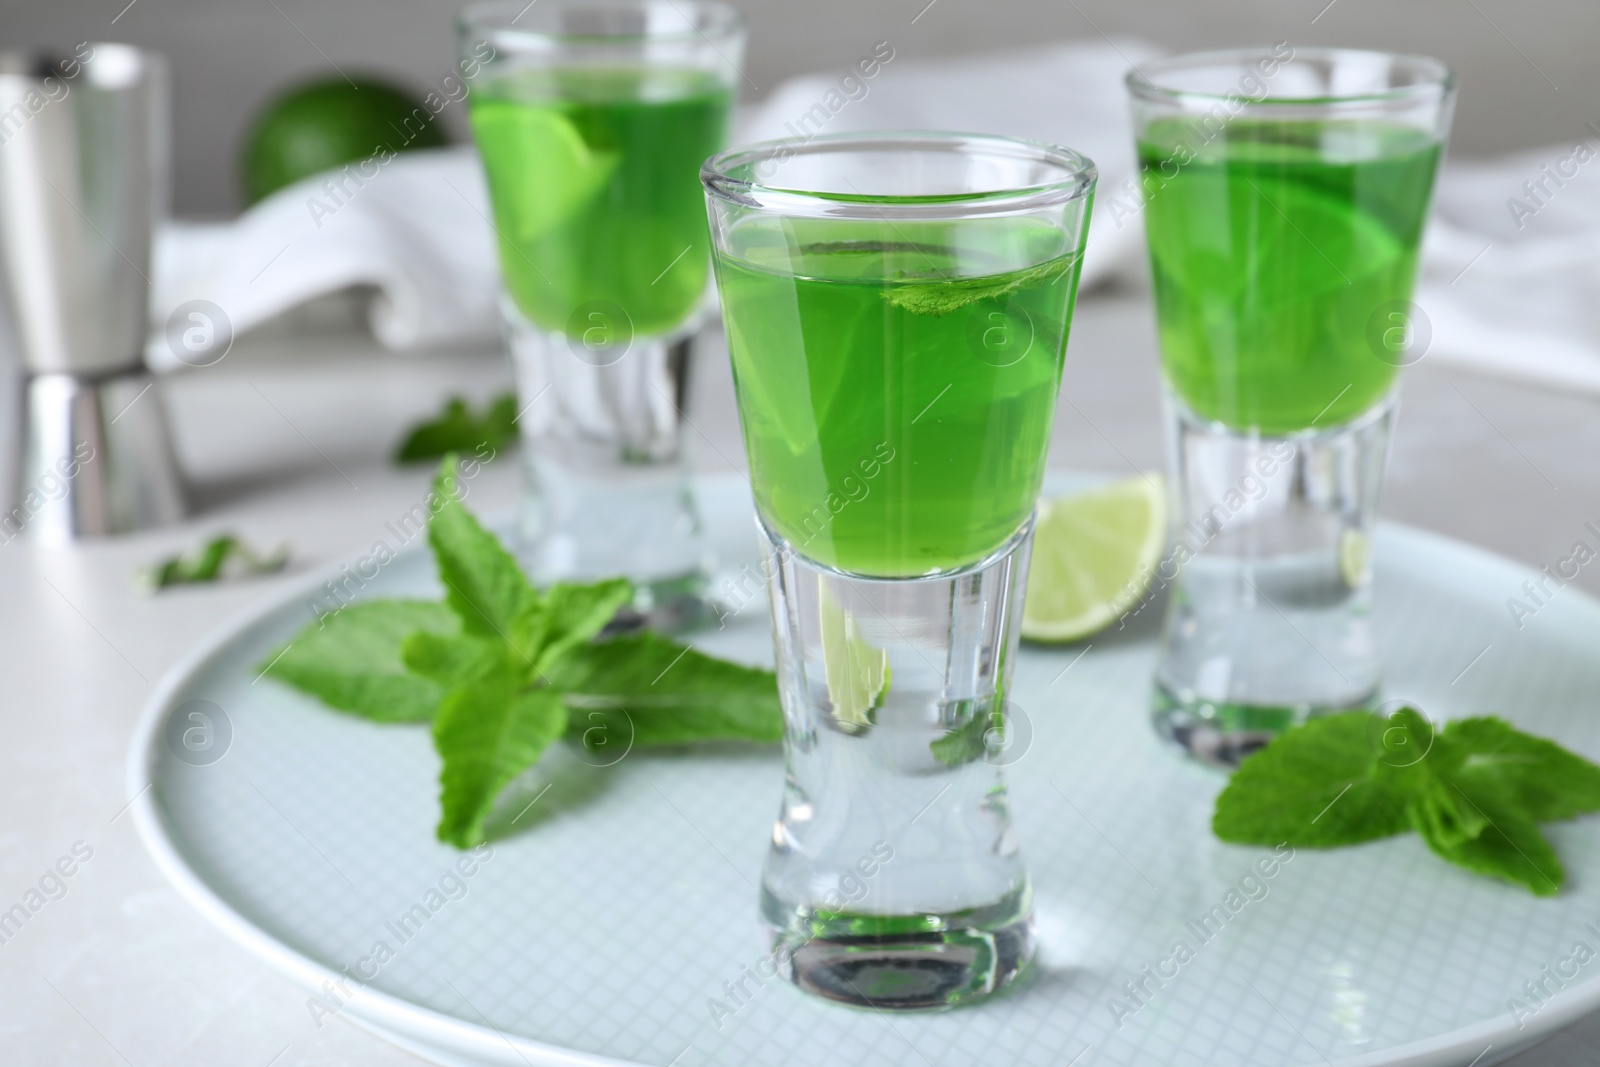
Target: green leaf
483,583
1317,786
1509,845
1545,780
659,692
460,429
572,614
967,742
220,558
350,659
1440,812
487,732
939,298
451,659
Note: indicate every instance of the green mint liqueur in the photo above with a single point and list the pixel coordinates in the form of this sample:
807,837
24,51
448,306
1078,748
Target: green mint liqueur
897,381
594,177
1273,250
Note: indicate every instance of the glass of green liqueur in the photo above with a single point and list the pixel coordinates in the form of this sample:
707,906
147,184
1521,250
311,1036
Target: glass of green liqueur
897,309
592,120
1284,194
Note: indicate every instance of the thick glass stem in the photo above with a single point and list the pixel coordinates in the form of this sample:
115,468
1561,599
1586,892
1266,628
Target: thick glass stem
1270,618
894,879
607,490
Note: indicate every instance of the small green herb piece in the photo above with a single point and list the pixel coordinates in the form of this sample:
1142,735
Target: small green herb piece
218,559
458,428
350,659
503,670
1475,790
970,740
941,298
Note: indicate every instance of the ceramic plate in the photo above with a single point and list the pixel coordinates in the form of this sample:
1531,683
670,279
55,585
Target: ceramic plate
609,926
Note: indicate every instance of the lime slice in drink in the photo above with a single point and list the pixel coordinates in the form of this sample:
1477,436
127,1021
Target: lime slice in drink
1093,556
857,673
541,171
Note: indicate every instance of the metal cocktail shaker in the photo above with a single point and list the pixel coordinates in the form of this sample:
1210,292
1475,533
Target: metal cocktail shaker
83,180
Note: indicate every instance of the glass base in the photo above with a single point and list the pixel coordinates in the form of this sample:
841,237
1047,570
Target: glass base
1223,734
924,962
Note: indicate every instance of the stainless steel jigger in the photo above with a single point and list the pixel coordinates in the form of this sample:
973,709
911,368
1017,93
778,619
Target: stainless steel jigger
83,173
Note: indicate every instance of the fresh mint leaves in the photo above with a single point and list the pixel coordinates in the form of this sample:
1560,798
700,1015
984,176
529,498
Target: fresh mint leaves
1475,790
458,428
351,659
503,670
664,693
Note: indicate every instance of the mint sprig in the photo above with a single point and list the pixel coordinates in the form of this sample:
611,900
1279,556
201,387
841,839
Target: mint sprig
1476,791
459,428
502,671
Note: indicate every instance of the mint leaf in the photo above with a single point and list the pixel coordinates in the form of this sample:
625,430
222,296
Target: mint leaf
659,692
451,659
350,660
1509,845
939,298
1545,780
487,732
483,584
1474,790
1316,786
458,428
219,558
967,742
572,614
1442,814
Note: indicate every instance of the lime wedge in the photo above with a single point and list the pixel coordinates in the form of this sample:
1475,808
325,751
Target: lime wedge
1093,556
541,171
857,673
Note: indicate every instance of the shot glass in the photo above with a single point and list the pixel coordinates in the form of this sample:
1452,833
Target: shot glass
592,119
1284,197
897,308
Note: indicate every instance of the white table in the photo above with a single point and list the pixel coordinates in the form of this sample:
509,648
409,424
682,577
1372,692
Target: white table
287,441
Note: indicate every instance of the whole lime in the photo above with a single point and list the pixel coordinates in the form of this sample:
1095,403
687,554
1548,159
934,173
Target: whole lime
323,125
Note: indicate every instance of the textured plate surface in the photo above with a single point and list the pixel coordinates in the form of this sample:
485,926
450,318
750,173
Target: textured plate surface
622,908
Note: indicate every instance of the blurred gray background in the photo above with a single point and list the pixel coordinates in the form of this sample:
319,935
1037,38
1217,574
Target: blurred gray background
1527,69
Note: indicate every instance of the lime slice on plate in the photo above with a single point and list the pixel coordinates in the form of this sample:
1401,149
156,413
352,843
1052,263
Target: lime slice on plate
1093,557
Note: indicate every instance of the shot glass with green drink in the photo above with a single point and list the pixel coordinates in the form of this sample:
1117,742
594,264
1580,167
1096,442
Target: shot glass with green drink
592,120
897,309
1285,194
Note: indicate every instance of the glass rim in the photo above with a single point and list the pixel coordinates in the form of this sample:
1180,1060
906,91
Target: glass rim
1080,173
497,18
1436,77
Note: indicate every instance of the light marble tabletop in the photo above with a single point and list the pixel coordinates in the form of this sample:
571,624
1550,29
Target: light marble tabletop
286,440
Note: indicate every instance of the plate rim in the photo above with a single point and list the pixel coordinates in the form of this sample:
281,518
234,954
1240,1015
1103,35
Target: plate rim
386,1013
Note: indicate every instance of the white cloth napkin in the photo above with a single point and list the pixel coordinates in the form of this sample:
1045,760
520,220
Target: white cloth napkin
418,231
1514,300
1070,94
1518,300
